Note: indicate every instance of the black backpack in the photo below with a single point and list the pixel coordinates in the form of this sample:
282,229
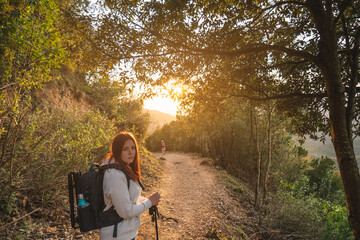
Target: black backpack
90,184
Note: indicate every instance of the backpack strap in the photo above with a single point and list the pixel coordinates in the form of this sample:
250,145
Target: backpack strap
118,167
141,185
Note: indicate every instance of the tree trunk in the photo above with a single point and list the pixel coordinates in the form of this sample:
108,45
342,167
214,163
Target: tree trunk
230,159
344,151
187,145
223,160
343,143
269,155
257,153
257,191
345,154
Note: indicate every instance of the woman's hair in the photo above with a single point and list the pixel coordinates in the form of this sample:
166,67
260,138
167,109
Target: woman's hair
116,150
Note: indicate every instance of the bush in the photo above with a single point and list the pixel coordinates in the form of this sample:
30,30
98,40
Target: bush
324,181
294,214
299,213
336,223
48,146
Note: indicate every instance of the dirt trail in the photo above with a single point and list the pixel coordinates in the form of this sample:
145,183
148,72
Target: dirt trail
192,195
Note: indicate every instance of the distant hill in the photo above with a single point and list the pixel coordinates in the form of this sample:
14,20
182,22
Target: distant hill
158,119
316,149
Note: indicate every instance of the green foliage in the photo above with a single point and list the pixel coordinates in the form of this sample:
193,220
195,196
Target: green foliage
302,152
113,99
316,196
291,213
31,48
7,205
320,179
336,223
324,182
302,214
130,116
48,146
175,136
287,165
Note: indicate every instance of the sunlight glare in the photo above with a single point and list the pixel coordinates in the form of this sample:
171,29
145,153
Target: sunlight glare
162,104
167,100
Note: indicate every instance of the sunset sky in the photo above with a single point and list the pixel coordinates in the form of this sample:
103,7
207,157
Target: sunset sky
162,104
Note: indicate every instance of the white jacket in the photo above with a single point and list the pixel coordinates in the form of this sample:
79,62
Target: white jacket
127,202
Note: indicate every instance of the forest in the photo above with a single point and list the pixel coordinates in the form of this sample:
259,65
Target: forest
257,78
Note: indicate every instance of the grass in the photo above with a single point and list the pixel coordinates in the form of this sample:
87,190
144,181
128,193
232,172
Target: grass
232,183
214,234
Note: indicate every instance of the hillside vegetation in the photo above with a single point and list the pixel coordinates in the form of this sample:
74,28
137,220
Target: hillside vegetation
250,75
66,129
56,115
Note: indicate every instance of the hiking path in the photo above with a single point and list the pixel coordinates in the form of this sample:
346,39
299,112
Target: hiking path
204,208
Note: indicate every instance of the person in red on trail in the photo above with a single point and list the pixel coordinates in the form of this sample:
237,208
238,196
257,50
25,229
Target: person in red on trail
163,147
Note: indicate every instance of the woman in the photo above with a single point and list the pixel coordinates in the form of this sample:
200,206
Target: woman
126,199
163,147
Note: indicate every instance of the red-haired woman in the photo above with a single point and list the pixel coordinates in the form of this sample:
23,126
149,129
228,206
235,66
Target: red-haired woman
125,198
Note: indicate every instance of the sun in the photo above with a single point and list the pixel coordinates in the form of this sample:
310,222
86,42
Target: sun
176,91
167,100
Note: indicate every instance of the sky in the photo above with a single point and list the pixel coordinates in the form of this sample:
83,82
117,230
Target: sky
162,104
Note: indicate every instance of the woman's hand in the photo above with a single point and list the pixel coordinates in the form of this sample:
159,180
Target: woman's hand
155,198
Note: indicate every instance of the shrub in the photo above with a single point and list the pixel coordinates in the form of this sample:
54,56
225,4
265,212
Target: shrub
302,214
336,223
294,213
324,181
48,146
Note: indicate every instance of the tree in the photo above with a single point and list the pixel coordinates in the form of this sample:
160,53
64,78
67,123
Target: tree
30,49
305,53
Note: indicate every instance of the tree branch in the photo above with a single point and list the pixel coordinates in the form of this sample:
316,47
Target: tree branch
276,5
8,85
8,224
281,96
289,95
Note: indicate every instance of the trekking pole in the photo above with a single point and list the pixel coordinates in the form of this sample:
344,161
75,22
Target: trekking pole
71,197
156,224
154,212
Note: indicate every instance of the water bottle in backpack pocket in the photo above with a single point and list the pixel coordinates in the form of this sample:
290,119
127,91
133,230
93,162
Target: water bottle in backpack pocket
85,214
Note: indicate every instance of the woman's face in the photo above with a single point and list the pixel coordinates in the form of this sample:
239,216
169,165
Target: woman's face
128,152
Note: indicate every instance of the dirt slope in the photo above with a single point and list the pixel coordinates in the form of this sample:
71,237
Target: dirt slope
203,206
